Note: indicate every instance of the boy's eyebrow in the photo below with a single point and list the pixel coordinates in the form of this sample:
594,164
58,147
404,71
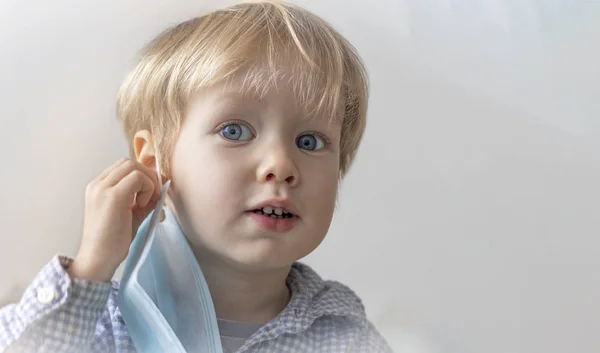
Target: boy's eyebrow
225,95
238,93
233,94
236,98
225,101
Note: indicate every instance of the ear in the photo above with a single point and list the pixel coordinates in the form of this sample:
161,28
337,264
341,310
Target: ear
143,146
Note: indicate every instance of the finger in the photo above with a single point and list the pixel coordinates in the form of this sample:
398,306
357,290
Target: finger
125,169
151,173
135,185
148,198
143,198
108,170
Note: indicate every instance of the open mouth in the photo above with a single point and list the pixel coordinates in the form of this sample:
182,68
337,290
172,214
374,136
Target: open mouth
274,212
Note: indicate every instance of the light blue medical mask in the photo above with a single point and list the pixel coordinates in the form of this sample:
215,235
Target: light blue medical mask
163,297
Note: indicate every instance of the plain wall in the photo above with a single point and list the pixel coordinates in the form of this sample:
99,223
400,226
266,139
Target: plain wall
469,222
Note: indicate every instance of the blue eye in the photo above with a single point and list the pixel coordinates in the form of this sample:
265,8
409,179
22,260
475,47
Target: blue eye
236,132
310,142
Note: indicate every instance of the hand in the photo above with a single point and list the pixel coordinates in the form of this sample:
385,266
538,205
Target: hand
116,203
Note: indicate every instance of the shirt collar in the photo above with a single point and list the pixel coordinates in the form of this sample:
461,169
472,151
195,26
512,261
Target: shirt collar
311,299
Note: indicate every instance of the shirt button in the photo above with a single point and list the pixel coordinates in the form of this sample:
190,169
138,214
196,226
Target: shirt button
46,295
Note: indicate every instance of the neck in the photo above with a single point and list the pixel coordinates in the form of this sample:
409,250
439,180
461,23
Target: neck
242,295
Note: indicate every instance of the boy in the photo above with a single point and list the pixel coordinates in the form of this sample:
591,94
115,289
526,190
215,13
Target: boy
255,112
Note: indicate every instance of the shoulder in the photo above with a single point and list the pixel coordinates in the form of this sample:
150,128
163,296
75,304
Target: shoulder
334,309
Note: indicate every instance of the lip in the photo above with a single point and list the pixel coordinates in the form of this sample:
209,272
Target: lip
273,225
281,203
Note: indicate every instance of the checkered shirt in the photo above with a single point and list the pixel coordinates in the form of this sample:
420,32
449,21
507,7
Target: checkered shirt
60,314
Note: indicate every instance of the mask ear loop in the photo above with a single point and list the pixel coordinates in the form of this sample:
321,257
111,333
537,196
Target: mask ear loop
160,182
157,162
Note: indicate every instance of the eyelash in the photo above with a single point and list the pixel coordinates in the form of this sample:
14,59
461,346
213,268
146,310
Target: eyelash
326,140
239,122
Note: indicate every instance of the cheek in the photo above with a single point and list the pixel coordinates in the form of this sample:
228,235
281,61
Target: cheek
328,195
323,185
206,172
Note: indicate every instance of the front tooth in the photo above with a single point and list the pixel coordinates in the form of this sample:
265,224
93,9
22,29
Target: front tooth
279,211
268,209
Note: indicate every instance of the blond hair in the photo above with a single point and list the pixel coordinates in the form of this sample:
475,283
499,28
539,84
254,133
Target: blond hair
265,41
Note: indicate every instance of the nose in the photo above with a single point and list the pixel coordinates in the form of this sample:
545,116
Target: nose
278,166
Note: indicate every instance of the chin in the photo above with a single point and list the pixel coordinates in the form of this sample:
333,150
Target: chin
263,256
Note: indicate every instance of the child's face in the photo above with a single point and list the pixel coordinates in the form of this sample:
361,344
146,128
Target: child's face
237,153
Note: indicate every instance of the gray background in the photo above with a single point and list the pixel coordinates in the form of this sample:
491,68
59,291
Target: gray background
469,221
